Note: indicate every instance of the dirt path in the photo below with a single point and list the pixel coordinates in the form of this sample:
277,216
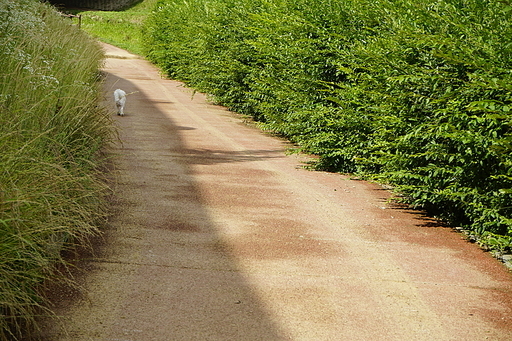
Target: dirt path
222,236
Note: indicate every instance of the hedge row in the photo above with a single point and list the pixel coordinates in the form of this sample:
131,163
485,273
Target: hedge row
417,94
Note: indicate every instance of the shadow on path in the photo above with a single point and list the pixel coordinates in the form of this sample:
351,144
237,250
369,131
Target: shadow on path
161,271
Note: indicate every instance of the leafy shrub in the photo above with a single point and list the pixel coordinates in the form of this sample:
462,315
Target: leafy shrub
413,93
51,132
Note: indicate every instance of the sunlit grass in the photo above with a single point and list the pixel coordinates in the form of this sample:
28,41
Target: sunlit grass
119,28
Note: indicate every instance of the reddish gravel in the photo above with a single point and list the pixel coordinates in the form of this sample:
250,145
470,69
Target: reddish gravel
220,235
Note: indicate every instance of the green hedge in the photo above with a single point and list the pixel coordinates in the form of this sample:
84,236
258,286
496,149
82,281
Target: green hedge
51,133
416,94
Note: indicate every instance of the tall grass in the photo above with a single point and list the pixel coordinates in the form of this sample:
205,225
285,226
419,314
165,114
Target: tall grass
51,134
413,93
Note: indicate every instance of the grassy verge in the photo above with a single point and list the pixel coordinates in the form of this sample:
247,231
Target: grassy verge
51,134
120,28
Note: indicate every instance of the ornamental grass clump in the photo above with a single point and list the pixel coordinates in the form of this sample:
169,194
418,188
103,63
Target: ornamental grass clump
52,130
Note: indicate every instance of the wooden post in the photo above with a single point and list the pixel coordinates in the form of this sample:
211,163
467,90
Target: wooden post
71,16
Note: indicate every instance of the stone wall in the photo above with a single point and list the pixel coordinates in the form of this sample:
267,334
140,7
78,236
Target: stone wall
103,5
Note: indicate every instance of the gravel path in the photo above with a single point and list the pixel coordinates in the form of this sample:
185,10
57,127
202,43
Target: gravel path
220,235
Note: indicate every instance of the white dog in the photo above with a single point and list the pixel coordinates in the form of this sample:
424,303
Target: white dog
120,98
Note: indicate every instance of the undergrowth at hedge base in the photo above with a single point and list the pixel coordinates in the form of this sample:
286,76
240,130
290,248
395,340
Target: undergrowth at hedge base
51,135
415,94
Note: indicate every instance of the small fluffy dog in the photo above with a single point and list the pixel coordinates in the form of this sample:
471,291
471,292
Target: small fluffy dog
120,99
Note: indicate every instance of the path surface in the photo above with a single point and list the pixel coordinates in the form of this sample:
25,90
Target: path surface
220,235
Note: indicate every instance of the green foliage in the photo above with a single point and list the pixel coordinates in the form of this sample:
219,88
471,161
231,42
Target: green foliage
496,243
416,94
51,133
